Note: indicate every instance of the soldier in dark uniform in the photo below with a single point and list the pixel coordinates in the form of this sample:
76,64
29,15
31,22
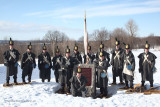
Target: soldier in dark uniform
106,54
78,84
56,63
88,59
45,64
117,62
28,63
76,54
67,71
129,66
11,57
102,66
147,65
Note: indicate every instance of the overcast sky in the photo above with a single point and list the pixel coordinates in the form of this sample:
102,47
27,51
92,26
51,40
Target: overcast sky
31,19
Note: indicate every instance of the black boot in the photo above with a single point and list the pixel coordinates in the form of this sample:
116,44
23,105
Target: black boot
15,81
29,81
68,90
126,87
42,80
62,89
142,85
24,82
48,80
56,80
7,83
151,84
101,90
131,84
126,82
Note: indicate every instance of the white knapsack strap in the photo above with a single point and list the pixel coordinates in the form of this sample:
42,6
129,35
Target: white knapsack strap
117,55
146,59
12,55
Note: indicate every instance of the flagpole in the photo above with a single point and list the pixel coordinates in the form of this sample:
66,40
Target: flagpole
85,35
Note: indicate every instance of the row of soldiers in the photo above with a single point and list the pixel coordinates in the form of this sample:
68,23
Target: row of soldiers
65,67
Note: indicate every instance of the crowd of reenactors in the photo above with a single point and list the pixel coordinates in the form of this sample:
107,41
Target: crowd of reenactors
68,73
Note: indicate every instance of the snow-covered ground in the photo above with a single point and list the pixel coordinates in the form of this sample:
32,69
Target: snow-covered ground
43,94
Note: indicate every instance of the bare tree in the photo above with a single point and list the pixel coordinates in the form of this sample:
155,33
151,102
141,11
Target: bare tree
132,28
99,35
54,37
119,33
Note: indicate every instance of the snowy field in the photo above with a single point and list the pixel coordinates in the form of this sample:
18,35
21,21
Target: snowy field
43,94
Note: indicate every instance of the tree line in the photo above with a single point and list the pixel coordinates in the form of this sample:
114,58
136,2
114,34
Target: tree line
52,39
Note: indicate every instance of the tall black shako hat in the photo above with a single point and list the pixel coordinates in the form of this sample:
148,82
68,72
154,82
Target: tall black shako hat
11,42
57,50
76,47
147,45
30,46
101,54
117,42
101,45
67,49
89,47
44,47
127,46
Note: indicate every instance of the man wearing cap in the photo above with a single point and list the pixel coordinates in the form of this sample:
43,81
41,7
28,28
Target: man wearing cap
78,84
102,66
88,59
67,71
106,54
57,63
117,62
76,54
45,64
28,63
129,66
147,65
11,58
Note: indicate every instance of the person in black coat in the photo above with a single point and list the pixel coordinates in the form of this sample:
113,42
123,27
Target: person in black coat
76,54
27,64
45,64
78,84
117,62
57,64
147,65
11,58
102,81
88,59
128,67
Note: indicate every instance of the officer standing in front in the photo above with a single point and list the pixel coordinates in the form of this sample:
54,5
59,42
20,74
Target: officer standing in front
102,66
